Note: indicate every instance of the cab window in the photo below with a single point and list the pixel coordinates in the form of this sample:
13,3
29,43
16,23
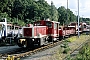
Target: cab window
55,25
49,24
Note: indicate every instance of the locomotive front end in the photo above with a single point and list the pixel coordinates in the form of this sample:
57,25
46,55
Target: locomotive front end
32,36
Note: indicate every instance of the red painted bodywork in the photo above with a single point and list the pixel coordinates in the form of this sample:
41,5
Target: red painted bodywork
64,31
27,32
60,32
40,30
34,31
52,31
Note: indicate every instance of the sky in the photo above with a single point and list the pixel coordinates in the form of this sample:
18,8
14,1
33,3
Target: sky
84,6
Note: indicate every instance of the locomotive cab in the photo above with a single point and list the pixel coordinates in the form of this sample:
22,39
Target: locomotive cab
53,29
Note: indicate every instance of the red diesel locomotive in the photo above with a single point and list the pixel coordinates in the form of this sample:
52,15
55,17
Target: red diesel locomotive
42,32
45,31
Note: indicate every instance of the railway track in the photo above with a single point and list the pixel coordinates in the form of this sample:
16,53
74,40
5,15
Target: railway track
27,52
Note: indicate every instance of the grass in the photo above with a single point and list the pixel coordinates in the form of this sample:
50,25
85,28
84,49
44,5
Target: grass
73,43
71,39
84,53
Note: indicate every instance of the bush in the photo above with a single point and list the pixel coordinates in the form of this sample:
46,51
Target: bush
84,53
65,46
66,50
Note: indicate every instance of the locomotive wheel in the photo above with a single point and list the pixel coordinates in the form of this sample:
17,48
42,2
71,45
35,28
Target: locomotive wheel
50,39
39,42
20,45
24,44
61,37
30,43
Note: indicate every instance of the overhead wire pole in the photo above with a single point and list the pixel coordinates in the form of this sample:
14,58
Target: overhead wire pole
67,11
51,10
52,13
82,17
78,19
76,16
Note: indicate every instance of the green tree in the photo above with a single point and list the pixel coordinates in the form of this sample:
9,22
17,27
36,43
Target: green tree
62,15
65,16
54,12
